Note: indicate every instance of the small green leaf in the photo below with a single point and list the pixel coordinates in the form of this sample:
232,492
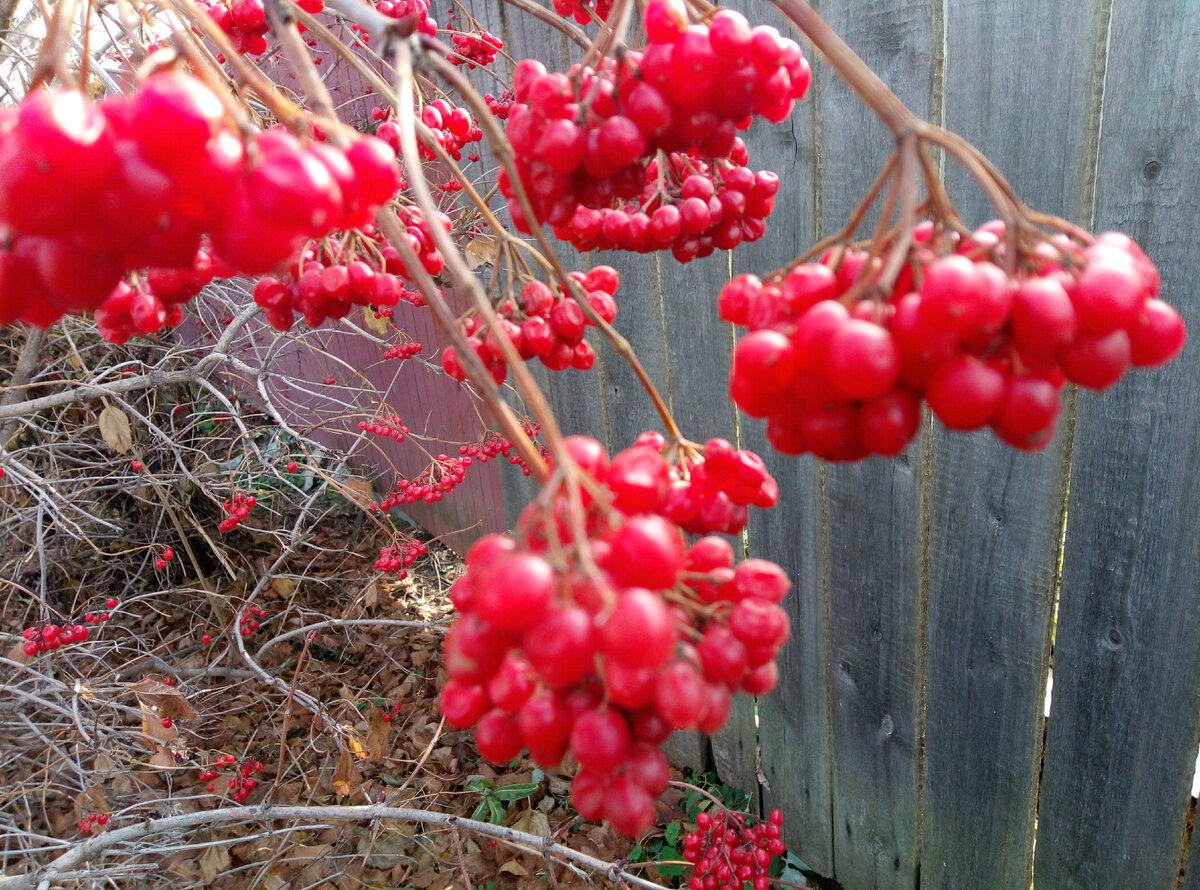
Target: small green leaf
671,835
636,854
668,854
481,785
516,792
497,811
480,811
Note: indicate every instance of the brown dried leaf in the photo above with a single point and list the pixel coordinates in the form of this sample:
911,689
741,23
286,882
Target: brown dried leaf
359,491
17,654
214,861
163,759
513,867
346,778
162,700
479,250
283,586
92,800
377,735
371,595
115,431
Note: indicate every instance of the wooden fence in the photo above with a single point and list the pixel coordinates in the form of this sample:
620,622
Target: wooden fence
934,593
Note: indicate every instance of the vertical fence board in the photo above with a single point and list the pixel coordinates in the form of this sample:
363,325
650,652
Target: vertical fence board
1123,722
793,721
995,512
873,510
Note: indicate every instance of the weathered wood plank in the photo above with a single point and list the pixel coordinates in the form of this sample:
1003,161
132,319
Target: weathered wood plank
793,721
1124,718
873,508
995,512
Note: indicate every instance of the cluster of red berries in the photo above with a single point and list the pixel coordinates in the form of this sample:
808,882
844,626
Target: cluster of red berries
582,11
500,107
321,285
168,554
498,446
90,191
156,300
452,127
400,556
413,11
100,617
387,718
983,349
550,657
238,507
694,209
98,820
477,48
248,620
53,636
587,138
707,491
245,21
548,325
402,351
436,481
391,427
728,854
240,784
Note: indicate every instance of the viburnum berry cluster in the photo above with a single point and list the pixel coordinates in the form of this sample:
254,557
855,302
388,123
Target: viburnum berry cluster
90,191
403,351
168,554
413,13
47,638
501,107
841,375
545,324
245,21
240,784
727,853
433,483
400,556
238,507
90,820
592,137
498,446
391,427
474,48
602,646
583,11
155,299
248,621
709,490
452,127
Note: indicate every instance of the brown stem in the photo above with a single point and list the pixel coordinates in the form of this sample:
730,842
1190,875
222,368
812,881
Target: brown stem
504,153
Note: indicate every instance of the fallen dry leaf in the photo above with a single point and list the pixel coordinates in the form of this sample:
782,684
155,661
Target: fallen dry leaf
377,736
214,861
479,250
115,431
374,322
346,778
163,759
163,700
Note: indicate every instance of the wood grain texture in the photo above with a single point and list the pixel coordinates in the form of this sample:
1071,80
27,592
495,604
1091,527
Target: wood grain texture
1124,718
873,509
793,730
995,512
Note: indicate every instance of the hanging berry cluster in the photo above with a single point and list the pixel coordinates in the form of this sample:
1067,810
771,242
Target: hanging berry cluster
245,21
452,127
399,557
436,481
582,11
728,853
548,656
155,300
590,138
415,12
475,48
90,191
498,446
240,784
248,620
97,820
402,351
168,554
843,377
391,427
548,325
53,636
707,491
238,507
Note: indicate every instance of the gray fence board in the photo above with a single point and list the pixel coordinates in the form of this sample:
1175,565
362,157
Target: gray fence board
994,518
1123,722
872,510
